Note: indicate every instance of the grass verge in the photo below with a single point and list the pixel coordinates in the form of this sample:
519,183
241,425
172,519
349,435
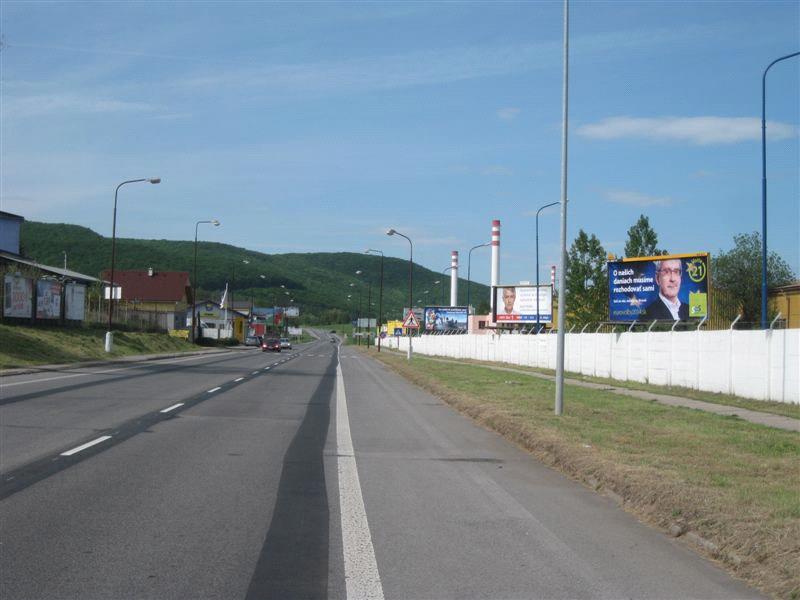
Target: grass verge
22,346
731,482
776,408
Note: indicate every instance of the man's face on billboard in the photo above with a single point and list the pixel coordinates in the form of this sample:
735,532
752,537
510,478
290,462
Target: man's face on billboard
668,277
509,295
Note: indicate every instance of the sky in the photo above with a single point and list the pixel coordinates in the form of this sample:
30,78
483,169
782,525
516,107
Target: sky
308,127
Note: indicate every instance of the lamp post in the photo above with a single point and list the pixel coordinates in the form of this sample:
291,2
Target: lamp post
537,261
196,328
764,188
110,334
410,279
380,301
469,267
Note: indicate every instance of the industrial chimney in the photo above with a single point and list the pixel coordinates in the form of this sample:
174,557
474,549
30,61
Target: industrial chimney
454,278
495,259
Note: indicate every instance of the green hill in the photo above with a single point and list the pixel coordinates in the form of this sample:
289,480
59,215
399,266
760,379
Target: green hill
318,282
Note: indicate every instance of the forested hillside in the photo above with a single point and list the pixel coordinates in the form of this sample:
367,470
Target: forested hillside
318,282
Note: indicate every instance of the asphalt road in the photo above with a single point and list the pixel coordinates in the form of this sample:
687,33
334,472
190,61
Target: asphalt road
299,475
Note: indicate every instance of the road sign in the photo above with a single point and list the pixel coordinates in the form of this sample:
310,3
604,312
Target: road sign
411,321
383,335
398,331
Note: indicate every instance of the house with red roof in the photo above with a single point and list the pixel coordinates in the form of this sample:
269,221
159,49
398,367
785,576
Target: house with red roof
151,290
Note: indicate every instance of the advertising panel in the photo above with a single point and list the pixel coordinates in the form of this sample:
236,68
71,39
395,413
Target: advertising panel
18,297
445,318
365,323
48,299
74,301
664,288
292,311
517,304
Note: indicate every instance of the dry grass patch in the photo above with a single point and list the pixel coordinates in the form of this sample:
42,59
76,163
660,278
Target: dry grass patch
734,483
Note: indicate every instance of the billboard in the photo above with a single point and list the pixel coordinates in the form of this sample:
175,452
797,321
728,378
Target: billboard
74,301
18,297
517,304
48,299
445,318
665,288
292,311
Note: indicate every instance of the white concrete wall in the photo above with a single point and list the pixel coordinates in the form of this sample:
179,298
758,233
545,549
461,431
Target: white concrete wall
763,365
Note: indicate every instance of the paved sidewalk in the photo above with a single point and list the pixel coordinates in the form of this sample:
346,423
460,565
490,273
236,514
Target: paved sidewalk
761,418
115,361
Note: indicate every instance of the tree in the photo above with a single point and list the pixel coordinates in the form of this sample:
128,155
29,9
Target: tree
738,272
587,279
642,240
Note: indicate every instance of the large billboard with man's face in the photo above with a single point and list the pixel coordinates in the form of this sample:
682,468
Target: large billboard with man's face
445,318
659,288
518,304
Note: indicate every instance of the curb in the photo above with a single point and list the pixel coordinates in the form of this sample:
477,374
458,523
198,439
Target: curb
100,363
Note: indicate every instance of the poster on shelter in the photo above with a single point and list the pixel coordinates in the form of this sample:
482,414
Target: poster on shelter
659,288
48,299
518,304
445,318
75,301
18,297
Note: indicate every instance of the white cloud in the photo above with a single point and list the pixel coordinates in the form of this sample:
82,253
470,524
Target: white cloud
41,104
695,130
632,198
508,114
492,170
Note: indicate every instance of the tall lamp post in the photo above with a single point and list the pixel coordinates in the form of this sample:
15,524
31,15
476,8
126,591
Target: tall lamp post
537,261
110,334
195,321
380,301
764,188
410,279
469,267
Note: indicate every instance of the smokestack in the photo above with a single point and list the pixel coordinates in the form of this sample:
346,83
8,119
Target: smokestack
454,278
495,258
553,276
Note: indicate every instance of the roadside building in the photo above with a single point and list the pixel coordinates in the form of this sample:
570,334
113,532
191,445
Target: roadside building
163,294
218,322
785,299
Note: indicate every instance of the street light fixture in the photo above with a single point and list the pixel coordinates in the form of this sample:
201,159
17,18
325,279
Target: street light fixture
195,321
764,188
469,268
410,279
110,334
537,261
380,302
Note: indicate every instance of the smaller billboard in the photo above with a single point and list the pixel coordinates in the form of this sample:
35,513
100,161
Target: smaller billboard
74,301
659,288
292,311
365,323
48,299
518,304
445,318
18,297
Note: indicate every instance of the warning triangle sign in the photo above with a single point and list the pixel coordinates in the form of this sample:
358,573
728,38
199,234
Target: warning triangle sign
411,321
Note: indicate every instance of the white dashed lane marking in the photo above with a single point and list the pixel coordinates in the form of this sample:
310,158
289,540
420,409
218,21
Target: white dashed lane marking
238,380
86,445
173,407
212,390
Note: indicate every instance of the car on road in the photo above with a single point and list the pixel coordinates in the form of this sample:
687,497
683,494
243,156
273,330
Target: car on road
252,340
286,344
271,345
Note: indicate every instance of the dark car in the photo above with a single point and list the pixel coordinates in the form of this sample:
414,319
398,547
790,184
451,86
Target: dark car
271,345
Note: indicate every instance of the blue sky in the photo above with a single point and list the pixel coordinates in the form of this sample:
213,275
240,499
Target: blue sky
316,126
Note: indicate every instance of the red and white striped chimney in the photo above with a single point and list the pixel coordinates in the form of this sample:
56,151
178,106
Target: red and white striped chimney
553,276
454,278
495,278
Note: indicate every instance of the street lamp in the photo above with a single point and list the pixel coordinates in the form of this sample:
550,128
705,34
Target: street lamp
380,302
110,334
537,261
410,279
196,328
469,267
764,188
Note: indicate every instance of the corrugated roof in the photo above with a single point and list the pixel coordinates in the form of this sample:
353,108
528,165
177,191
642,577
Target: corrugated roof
8,256
162,286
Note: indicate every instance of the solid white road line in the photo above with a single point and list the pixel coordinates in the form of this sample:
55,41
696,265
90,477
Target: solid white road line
212,390
86,445
104,372
238,380
173,407
362,579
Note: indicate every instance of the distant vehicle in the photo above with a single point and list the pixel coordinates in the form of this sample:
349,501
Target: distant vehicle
252,340
271,345
286,343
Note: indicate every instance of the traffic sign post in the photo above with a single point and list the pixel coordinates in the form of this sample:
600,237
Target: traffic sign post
411,321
